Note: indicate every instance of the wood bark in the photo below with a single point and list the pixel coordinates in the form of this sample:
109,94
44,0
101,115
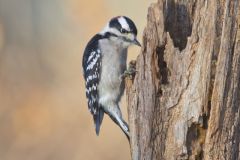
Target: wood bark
184,102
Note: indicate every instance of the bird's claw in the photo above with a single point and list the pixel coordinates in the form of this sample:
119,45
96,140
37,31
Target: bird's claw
131,71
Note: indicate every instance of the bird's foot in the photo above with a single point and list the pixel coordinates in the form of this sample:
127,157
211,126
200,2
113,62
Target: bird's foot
131,71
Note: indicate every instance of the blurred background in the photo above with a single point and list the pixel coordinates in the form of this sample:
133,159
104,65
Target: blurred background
43,111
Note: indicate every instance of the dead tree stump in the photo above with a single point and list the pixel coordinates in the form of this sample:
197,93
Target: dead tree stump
184,102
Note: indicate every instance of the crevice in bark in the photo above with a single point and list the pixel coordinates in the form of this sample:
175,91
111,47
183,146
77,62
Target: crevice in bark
178,23
144,51
196,138
162,64
211,85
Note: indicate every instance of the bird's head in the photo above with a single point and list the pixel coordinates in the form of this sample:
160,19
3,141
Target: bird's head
121,30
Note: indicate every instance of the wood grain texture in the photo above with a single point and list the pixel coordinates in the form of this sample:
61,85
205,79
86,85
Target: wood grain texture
184,101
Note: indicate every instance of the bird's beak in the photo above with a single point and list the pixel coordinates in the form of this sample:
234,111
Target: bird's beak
135,41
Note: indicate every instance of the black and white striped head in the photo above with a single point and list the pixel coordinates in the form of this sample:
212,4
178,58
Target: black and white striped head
122,30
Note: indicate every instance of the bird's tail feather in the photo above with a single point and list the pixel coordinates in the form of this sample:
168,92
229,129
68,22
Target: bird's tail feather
98,120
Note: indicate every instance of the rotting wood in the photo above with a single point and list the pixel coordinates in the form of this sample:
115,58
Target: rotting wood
184,100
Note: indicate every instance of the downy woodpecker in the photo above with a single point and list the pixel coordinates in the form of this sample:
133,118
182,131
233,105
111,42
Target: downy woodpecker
104,62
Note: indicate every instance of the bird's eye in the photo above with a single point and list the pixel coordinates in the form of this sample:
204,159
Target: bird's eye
122,30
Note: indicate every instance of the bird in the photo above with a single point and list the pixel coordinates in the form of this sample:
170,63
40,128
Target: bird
104,64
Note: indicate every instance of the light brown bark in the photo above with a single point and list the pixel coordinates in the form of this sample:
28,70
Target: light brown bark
184,102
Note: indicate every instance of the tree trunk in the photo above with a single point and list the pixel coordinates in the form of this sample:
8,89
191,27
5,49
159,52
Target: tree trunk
184,102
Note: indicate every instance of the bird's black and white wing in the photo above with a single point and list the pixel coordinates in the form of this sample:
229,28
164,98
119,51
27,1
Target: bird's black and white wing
92,73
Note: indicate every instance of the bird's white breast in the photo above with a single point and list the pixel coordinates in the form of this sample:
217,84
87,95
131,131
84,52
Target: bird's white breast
113,65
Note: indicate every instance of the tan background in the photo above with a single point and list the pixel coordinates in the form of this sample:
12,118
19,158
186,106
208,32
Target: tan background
43,112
